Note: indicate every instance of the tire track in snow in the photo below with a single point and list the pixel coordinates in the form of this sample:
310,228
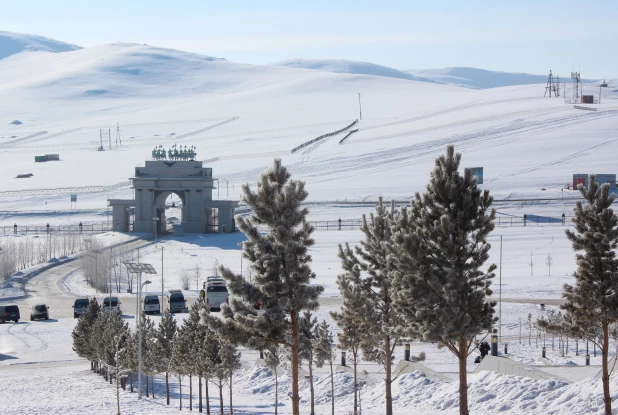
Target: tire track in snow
466,106
456,124
421,152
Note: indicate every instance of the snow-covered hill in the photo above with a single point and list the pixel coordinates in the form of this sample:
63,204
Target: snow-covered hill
13,43
351,67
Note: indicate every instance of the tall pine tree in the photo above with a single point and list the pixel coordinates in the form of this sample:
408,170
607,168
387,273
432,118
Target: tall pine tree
165,337
592,302
281,270
323,353
372,270
307,331
440,247
83,344
351,320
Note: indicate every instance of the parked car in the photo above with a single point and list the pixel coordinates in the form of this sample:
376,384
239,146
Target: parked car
216,293
111,305
8,313
39,311
177,302
80,306
151,304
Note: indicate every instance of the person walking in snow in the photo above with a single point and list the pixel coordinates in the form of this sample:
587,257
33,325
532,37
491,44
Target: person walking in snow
484,348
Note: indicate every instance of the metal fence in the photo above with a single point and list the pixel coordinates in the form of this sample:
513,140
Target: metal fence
323,225
500,221
98,227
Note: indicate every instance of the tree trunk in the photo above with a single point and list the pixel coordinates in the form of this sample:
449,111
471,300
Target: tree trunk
276,392
355,386
607,399
200,393
332,389
152,384
221,396
388,380
167,387
190,394
147,389
131,382
311,388
295,397
231,407
117,394
180,390
463,377
207,398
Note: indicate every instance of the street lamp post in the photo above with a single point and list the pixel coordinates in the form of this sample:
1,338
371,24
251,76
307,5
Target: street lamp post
137,268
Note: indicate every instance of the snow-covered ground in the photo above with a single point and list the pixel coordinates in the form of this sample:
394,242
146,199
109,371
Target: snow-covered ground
528,145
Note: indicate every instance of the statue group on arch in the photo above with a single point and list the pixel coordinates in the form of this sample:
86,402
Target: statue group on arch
174,153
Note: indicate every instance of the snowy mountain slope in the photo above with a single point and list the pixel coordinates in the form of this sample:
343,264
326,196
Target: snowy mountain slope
481,78
351,67
13,43
156,95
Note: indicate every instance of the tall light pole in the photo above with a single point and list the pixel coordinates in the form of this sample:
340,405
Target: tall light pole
137,268
360,109
162,284
500,309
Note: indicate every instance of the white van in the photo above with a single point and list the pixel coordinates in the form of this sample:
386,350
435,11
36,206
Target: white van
177,302
151,304
216,293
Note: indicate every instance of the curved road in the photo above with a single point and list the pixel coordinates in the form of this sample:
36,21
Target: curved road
47,288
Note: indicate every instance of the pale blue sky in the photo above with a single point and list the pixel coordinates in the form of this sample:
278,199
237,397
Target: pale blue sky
514,36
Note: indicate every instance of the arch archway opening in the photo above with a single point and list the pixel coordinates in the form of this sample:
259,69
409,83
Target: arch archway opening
169,210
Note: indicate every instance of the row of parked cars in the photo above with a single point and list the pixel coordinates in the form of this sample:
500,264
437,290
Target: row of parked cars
11,313
214,294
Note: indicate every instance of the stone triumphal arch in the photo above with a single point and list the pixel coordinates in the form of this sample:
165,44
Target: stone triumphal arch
191,182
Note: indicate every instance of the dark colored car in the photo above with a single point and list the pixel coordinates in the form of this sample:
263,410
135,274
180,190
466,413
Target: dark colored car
8,313
39,311
80,306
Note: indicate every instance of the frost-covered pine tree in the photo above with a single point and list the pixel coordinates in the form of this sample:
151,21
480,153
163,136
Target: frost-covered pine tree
165,337
307,331
440,248
592,302
181,357
351,320
371,268
82,333
193,327
200,355
281,270
208,354
225,363
323,353
272,360
129,358
150,361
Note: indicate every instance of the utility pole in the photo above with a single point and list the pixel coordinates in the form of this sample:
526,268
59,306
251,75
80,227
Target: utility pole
162,283
500,295
360,108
